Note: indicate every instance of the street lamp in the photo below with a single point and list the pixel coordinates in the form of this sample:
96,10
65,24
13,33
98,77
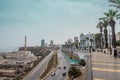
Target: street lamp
110,43
89,70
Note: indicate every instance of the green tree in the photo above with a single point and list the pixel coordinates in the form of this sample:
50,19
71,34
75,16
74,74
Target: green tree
82,62
100,26
105,25
98,40
118,43
110,16
115,3
74,72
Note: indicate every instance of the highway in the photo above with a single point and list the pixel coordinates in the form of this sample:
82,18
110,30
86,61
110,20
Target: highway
35,73
58,73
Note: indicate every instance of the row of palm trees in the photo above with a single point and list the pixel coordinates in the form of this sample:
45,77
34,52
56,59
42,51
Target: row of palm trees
109,20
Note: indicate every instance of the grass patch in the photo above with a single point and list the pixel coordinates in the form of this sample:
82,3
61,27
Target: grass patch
51,64
71,55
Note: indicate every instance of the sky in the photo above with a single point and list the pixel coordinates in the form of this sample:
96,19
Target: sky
55,20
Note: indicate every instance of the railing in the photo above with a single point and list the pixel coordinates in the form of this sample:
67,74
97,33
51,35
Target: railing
89,73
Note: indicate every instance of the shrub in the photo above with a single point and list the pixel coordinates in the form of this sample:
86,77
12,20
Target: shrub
74,72
82,62
118,43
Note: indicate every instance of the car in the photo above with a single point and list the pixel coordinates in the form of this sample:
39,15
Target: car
64,67
59,67
64,73
53,74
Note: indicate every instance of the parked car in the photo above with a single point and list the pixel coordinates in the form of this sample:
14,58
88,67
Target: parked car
59,67
53,74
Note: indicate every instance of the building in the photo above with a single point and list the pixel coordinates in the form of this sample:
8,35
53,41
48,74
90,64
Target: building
118,36
42,43
51,43
85,40
75,39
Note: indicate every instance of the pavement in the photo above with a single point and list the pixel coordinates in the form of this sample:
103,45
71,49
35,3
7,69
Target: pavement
105,66
58,73
38,69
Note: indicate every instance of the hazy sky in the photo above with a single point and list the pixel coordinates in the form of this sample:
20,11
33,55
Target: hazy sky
55,20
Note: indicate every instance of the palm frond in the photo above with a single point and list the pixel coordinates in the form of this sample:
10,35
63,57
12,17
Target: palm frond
112,1
114,12
117,18
115,6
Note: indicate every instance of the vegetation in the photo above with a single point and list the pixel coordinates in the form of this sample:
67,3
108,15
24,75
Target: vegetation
82,62
98,40
98,37
110,16
74,72
118,43
71,55
115,3
105,25
109,20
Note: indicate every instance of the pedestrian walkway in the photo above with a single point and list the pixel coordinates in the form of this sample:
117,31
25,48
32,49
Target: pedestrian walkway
105,67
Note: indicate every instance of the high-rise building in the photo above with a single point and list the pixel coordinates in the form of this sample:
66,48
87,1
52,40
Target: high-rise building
75,39
42,43
118,36
51,43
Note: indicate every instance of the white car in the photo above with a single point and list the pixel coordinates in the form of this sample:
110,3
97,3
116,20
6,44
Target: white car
53,74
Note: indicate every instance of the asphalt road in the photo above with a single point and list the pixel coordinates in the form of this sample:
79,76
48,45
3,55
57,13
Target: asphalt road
58,73
35,73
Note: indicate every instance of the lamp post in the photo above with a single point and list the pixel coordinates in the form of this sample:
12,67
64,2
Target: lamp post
90,61
101,28
110,43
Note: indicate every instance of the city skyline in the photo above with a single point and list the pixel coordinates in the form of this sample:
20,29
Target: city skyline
55,20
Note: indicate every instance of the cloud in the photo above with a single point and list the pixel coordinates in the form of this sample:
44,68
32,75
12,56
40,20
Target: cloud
49,19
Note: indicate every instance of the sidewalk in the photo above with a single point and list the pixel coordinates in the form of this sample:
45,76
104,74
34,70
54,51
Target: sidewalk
105,67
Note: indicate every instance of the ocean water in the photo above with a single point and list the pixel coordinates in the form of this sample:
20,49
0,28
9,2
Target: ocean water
9,49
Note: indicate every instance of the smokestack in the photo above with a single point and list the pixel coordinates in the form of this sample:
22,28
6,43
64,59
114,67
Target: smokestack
25,47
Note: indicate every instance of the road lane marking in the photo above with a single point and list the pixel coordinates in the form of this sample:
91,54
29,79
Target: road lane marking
106,61
106,70
109,64
98,79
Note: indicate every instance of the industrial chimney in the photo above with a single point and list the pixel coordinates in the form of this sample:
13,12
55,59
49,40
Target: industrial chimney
25,47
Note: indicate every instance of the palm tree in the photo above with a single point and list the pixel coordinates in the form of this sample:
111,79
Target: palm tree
100,25
115,3
110,16
105,25
98,39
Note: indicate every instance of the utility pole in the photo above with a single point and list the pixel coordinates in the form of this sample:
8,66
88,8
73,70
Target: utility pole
110,43
25,47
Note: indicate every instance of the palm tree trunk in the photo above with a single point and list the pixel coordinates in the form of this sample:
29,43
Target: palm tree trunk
106,38
113,37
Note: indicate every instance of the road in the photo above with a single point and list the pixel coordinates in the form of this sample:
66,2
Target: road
35,73
59,72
